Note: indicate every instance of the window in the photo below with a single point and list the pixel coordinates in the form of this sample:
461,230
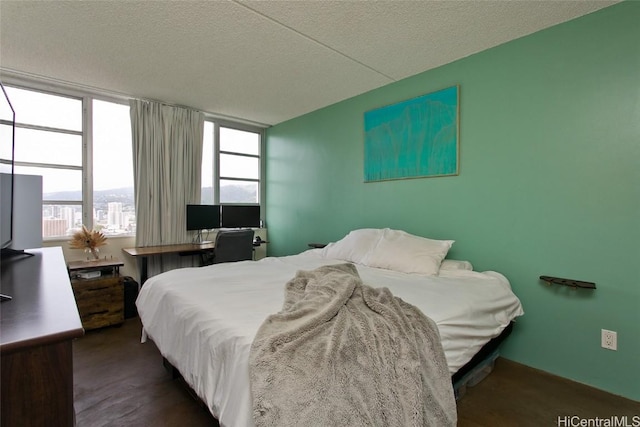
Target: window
86,178
239,166
206,192
49,142
231,169
113,201
81,145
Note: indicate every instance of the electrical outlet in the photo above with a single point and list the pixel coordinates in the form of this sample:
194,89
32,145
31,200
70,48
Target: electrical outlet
609,339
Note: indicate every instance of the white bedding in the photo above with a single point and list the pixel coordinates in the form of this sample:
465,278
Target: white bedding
204,320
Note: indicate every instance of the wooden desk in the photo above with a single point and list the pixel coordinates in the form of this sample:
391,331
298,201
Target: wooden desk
38,326
144,252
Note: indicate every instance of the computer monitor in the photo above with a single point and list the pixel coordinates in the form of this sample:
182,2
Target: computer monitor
203,217
235,216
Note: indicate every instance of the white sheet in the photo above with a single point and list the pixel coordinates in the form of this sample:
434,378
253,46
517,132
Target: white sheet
203,320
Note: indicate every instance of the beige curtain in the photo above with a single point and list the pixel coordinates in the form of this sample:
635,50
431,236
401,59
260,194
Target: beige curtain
167,162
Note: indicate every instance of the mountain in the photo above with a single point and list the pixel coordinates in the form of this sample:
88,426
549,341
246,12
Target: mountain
229,193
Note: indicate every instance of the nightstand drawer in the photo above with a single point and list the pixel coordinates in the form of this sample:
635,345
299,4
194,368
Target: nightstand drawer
100,301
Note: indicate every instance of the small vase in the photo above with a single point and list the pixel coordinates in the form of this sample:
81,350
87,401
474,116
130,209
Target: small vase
92,253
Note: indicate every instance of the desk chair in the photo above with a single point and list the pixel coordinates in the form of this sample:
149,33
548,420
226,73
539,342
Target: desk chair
232,245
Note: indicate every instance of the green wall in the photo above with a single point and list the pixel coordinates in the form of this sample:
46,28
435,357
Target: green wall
549,184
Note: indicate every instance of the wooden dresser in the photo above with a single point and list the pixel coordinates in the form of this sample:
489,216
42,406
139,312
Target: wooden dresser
37,328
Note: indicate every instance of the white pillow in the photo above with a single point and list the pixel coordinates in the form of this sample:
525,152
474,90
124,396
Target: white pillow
400,251
355,246
453,264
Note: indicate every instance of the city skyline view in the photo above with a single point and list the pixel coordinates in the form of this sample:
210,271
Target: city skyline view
114,209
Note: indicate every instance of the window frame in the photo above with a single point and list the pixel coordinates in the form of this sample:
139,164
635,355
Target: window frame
83,133
87,95
86,132
219,123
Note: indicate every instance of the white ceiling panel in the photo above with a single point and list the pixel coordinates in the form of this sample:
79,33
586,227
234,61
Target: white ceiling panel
403,38
259,61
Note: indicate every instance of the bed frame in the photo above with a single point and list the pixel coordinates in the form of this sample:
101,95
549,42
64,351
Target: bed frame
470,374
480,365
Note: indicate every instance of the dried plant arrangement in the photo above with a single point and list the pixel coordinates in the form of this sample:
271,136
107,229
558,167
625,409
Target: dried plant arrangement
90,241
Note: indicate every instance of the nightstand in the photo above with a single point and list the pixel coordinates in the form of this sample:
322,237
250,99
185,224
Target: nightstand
316,245
99,292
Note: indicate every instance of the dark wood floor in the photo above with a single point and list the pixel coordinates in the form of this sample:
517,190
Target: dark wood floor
120,382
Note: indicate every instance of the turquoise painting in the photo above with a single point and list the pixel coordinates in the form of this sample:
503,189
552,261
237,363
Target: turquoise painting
413,138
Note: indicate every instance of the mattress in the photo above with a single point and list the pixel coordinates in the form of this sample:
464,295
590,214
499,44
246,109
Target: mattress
203,320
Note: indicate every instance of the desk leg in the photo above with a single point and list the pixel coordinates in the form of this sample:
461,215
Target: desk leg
143,270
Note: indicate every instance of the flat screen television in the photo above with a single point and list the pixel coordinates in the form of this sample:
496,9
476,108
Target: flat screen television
237,216
7,153
203,217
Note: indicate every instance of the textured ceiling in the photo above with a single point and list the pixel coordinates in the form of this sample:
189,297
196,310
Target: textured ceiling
260,61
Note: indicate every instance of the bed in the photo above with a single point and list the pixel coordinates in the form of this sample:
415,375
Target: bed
203,320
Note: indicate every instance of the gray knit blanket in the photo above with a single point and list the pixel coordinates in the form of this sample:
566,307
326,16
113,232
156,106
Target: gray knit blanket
341,353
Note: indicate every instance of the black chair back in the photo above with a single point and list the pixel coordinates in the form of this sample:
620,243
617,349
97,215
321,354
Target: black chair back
233,245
